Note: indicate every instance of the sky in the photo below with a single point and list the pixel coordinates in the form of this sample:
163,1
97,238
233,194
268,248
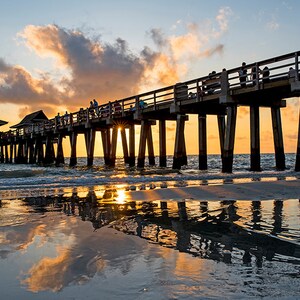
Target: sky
58,55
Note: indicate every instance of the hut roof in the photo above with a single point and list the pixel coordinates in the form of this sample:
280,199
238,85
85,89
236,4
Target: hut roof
3,122
30,119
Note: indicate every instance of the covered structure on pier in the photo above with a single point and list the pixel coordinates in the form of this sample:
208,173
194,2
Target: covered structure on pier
33,118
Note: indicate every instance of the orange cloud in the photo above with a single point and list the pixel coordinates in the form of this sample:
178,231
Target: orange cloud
107,71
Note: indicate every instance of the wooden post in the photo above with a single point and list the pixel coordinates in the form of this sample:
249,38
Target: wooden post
15,152
1,154
73,156
90,145
11,150
60,159
202,140
131,145
26,150
179,158
297,165
20,155
32,157
124,144
40,151
150,147
162,144
221,126
254,138
105,135
227,159
6,154
278,139
49,159
113,148
142,145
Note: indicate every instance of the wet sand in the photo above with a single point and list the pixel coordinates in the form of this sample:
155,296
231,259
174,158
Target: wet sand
278,190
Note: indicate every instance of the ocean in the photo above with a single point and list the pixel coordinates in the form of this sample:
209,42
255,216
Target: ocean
65,234
32,180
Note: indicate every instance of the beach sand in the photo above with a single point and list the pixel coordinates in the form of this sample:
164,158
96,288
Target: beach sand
279,190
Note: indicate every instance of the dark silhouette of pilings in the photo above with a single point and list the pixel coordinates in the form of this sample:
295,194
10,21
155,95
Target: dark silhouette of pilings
145,138
162,144
60,159
254,138
73,156
179,158
131,160
278,138
227,158
202,142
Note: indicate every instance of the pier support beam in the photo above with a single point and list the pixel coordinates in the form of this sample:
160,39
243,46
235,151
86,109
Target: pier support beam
11,150
40,151
202,140
227,159
6,154
1,154
60,159
90,145
179,158
124,145
49,152
113,148
162,144
278,138
150,147
254,139
131,145
142,147
105,135
73,156
221,126
32,157
297,166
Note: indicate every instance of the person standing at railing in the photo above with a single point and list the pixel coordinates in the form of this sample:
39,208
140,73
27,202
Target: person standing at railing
96,106
243,75
266,74
91,109
58,119
66,118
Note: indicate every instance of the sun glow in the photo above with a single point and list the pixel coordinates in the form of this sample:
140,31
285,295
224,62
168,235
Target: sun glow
121,198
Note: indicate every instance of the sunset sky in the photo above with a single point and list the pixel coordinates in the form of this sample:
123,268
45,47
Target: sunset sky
58,55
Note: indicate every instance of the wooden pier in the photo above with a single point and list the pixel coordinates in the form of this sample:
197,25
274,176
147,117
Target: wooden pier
37,139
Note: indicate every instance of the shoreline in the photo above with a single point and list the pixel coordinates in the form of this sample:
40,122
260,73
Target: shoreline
282,189
269,190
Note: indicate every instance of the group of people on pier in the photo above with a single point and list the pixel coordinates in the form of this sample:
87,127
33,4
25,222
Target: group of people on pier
254,75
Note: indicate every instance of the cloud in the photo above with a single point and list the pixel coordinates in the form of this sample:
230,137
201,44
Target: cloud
93,68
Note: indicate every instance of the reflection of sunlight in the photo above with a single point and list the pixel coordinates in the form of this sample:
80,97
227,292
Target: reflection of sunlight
121,198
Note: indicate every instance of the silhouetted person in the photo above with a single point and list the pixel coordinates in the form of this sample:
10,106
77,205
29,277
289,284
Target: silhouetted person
243,75
266,74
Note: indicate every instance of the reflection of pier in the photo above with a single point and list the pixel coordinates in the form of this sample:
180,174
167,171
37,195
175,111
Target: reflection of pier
42,141
212,230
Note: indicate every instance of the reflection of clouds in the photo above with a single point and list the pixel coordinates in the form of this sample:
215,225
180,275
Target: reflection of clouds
48,273
37,231
69,266
80,256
